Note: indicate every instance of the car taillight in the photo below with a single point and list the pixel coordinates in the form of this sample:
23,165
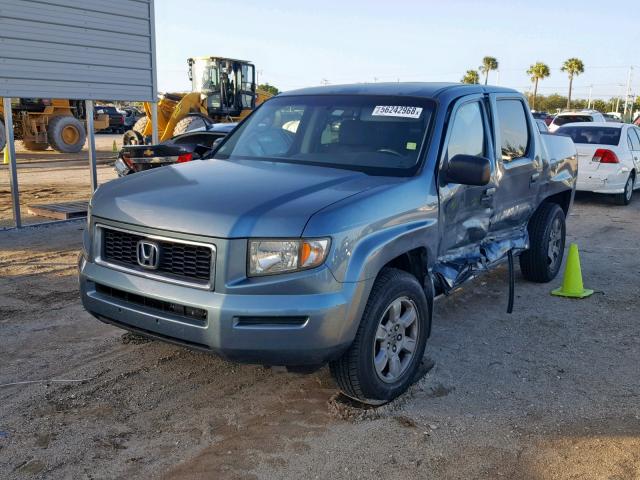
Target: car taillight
126,157
604,155
185,157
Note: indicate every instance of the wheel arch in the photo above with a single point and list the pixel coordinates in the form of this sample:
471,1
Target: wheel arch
403,247
563,199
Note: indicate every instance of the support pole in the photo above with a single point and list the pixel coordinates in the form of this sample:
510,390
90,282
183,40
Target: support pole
627,95
92,145
13,172
154,123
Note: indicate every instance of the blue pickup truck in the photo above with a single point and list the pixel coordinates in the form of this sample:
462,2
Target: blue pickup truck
323,226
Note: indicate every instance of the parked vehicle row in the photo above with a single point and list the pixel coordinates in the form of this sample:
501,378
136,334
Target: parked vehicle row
325,224
120,120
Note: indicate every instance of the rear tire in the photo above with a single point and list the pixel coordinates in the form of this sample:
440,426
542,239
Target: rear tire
189,123
66,134
547,234
135,136
624,198
131,137
35,147
382,361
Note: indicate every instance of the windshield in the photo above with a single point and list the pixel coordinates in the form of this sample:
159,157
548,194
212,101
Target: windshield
592,135
205,76
375,134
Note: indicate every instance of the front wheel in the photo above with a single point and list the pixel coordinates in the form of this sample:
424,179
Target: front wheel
624,198
547,233
386,353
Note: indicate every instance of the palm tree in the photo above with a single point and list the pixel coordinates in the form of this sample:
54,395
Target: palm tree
573,67
471,76
538,71
488,64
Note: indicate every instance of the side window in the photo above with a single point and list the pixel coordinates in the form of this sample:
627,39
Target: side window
514,130
467,132
634,139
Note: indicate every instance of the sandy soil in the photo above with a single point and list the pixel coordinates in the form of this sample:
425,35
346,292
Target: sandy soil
51,177
549,392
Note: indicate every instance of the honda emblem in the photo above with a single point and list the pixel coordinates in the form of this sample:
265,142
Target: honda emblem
148,254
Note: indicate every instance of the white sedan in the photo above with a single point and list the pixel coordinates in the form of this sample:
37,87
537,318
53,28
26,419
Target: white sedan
608,157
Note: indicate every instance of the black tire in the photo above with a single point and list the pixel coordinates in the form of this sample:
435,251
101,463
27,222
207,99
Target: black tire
538,264
189,123
131,137
35,147
66,134
135,136
355,372
3,137
624,198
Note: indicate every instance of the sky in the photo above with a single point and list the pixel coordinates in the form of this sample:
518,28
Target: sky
295,44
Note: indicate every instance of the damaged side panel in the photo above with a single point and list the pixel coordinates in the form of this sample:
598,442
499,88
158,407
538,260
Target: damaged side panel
458,266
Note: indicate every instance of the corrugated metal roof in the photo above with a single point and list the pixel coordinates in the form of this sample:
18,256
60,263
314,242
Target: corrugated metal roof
80,49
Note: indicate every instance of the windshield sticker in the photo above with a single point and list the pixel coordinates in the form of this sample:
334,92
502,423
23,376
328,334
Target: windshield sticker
397,111
411,145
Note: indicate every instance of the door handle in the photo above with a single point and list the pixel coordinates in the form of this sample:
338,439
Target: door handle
534,178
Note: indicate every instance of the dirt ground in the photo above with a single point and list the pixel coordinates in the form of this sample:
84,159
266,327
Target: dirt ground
549,392
52,177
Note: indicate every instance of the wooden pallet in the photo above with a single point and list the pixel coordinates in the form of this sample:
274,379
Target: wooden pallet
60,211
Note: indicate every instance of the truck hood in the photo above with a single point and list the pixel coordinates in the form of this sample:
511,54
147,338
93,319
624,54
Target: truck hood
228,199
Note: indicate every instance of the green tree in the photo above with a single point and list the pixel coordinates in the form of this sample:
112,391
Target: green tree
551,103
573,67
471,76
488,64
537,71
269,88
600,105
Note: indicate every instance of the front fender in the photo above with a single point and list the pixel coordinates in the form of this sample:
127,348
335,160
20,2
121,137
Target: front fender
374,251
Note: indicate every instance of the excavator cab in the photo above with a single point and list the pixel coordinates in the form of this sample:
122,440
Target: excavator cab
229,85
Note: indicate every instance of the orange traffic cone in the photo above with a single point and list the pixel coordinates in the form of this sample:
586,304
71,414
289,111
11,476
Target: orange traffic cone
572,286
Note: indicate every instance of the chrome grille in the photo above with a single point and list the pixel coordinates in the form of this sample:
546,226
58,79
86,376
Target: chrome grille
179,260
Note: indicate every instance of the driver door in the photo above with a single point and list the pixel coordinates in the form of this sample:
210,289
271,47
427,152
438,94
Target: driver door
465,210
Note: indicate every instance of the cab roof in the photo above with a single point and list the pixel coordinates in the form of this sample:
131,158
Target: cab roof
409,89
213,57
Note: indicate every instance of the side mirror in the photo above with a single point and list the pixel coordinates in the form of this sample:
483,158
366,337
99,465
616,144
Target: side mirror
468,170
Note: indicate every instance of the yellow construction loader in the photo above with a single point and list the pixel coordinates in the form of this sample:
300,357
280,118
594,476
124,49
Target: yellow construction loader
222,90
58,123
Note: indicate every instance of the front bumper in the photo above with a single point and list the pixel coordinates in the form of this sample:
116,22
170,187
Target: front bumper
329,326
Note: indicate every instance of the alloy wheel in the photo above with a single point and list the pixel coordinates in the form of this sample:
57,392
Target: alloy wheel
396,339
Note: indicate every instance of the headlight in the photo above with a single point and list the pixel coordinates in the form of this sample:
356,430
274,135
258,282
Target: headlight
267,257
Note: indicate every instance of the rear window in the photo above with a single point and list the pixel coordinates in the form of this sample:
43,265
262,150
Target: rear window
592,135
564,119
